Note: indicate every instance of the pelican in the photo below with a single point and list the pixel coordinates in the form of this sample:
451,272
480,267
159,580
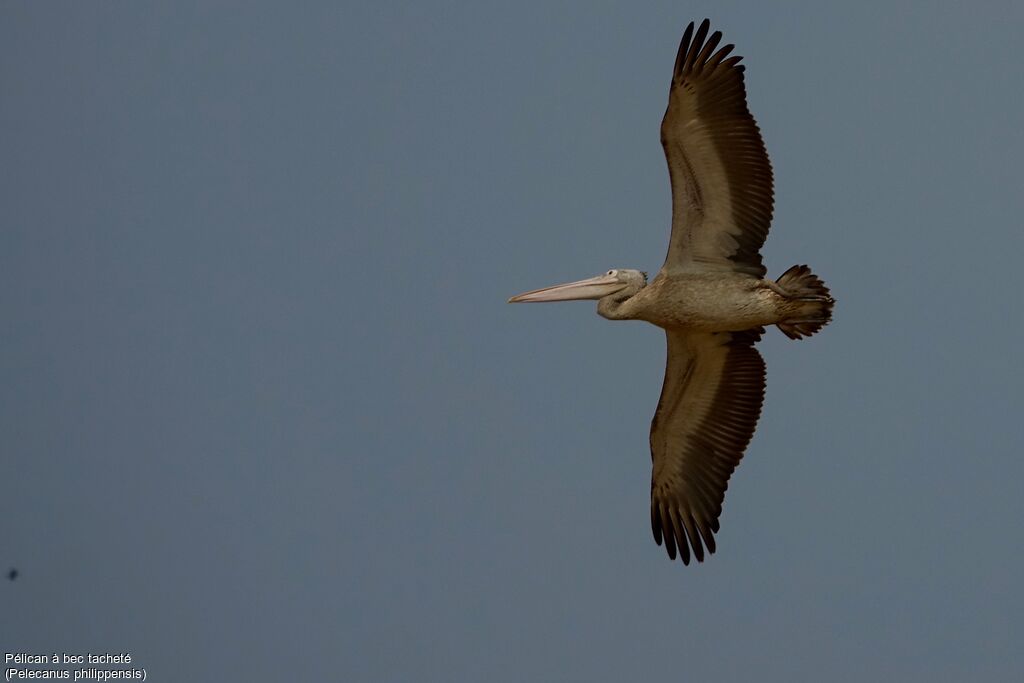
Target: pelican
711,296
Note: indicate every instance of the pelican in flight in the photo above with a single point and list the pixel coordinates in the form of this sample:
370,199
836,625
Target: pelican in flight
711,296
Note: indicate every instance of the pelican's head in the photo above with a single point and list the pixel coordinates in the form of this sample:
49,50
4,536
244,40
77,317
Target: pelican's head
619,284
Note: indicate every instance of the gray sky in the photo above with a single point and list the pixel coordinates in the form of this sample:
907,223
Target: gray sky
265,415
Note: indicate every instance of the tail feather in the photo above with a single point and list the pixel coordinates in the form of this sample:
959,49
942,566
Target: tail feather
812,302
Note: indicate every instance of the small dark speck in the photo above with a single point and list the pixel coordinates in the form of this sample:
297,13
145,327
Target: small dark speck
12,574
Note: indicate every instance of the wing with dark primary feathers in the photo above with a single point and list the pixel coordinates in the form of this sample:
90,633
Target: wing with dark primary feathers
709,406
721,178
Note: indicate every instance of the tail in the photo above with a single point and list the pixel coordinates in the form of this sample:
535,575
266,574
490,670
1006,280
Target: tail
810,299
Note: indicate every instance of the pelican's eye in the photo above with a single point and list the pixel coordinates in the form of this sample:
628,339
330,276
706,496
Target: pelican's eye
611,272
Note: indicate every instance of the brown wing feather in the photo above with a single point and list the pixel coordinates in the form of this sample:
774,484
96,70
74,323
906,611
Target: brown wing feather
722,197
710,403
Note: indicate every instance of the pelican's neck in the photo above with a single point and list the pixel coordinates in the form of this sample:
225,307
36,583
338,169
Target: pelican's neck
617,306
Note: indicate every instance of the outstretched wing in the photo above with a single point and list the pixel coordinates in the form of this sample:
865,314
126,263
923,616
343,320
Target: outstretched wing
721,177
710,402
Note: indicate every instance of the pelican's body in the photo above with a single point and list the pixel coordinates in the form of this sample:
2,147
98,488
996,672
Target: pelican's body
711,295
710,302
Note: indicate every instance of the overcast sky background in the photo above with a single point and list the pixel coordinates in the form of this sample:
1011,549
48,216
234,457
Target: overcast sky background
265,415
